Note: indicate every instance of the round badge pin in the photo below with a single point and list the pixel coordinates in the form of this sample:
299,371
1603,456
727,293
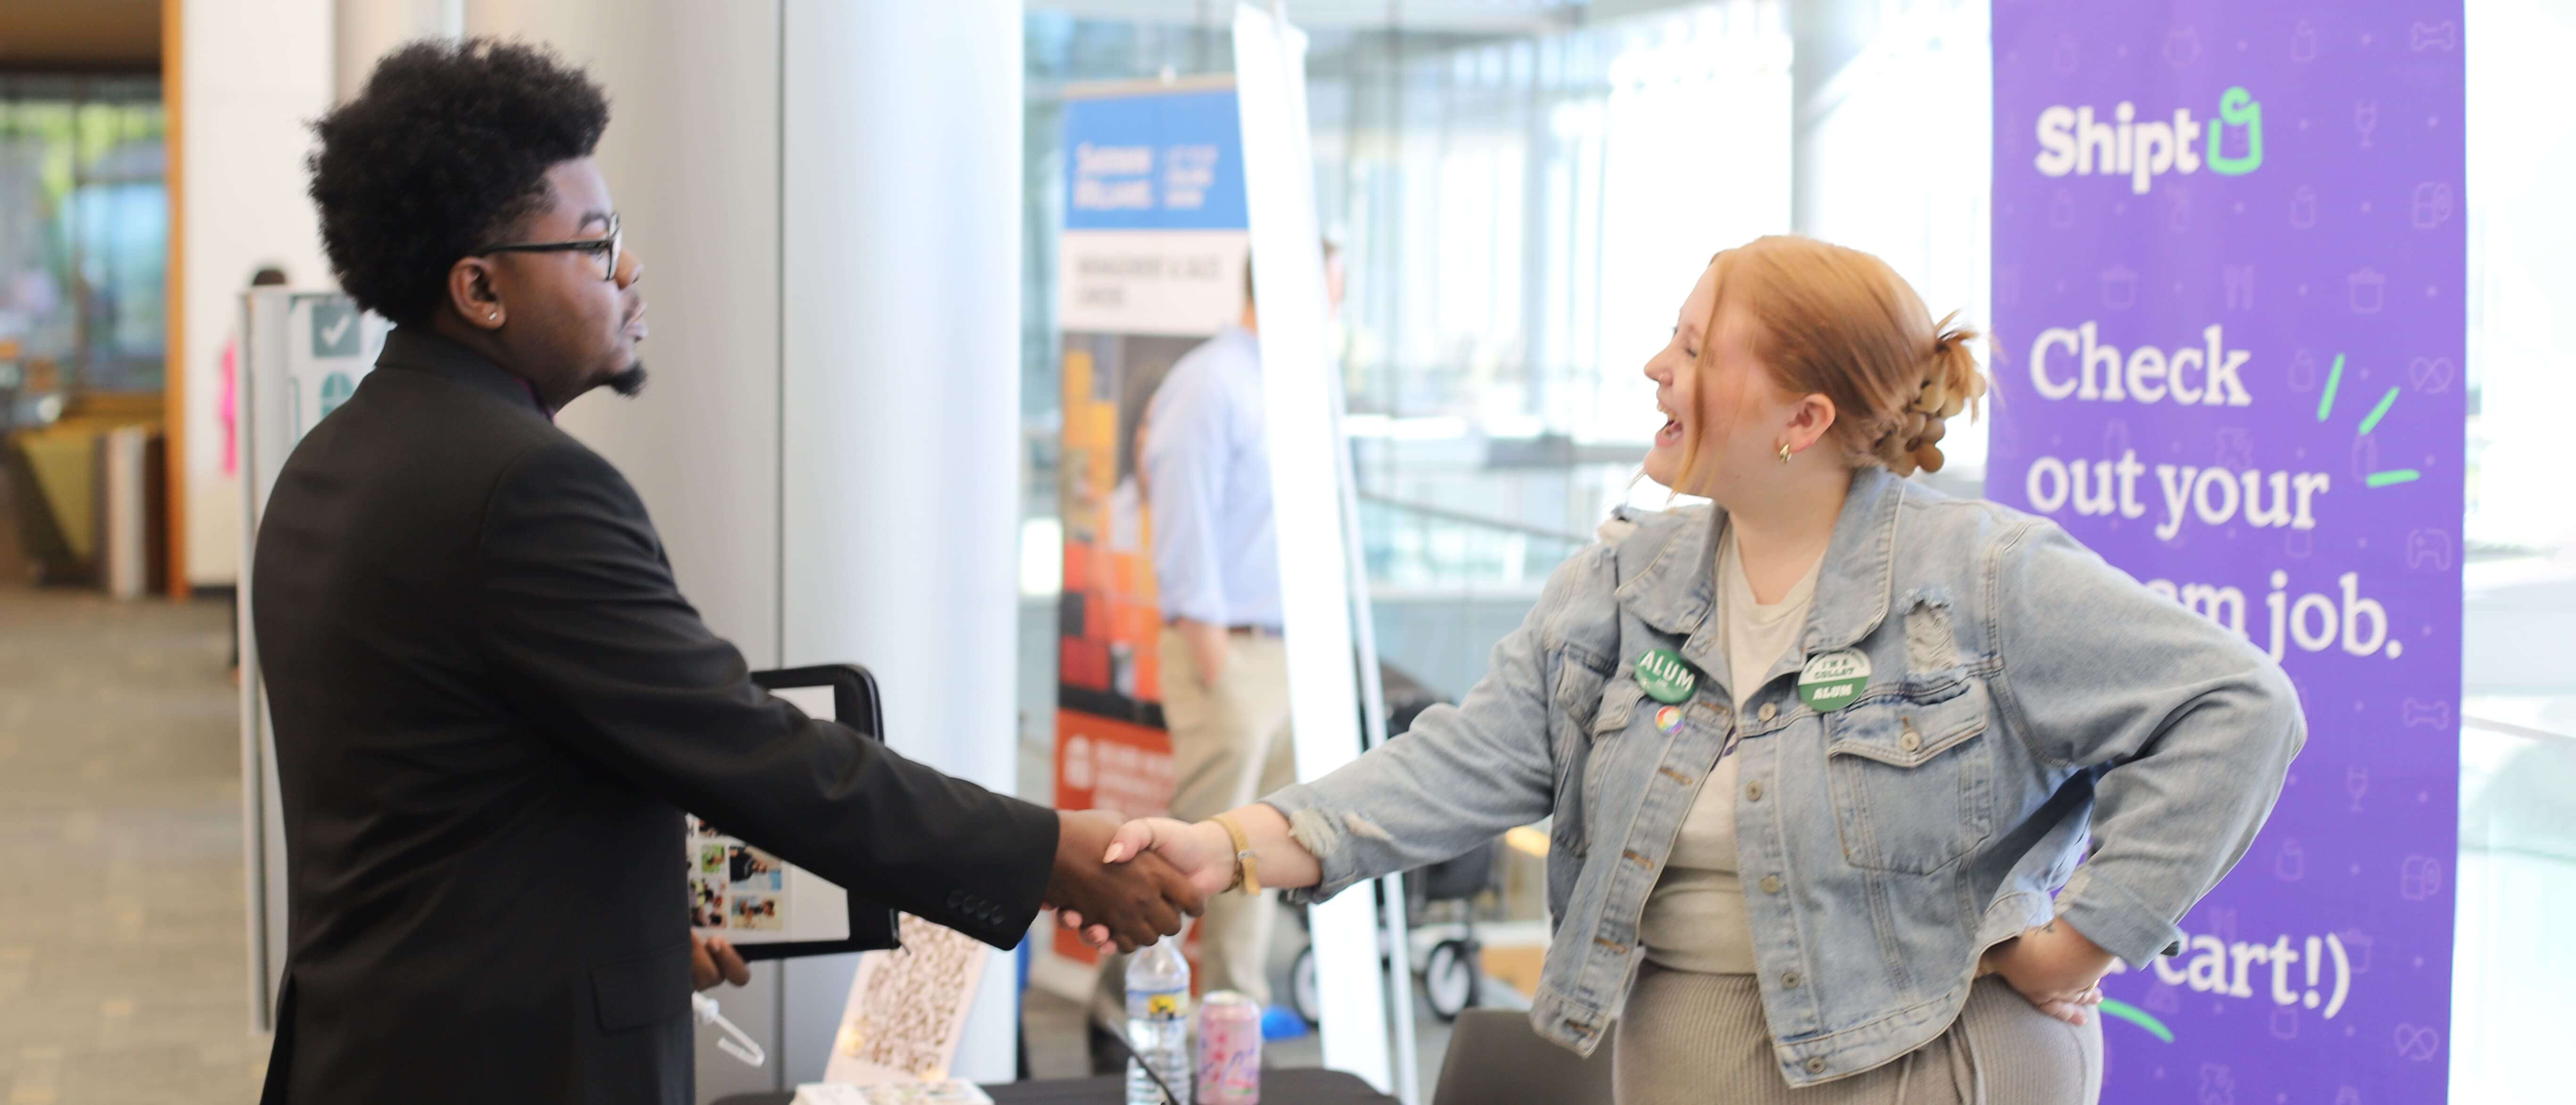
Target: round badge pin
1833,680
1664,677
1668,720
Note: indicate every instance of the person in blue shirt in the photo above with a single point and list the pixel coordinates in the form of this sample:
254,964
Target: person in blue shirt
1205,460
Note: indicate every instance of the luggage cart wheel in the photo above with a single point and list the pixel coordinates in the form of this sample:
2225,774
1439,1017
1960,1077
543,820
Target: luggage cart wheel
1304,993
1450,979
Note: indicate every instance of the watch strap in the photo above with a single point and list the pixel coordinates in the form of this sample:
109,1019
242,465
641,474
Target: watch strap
1246,877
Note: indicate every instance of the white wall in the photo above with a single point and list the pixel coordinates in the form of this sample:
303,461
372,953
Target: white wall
253,73
691,158
370,29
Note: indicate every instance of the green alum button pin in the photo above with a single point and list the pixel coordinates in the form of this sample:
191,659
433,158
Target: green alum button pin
1833,680
1664,677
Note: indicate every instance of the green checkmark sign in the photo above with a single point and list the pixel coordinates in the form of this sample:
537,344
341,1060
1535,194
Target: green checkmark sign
2138,1017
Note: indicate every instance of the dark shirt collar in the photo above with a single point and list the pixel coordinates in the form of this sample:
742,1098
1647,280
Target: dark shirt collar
420,349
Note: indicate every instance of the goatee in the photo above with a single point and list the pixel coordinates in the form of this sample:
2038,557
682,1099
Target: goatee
629,383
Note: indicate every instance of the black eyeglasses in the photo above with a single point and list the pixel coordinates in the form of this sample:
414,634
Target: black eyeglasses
603,250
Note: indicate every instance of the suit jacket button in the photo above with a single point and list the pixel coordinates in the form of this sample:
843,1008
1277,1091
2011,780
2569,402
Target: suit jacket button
956,899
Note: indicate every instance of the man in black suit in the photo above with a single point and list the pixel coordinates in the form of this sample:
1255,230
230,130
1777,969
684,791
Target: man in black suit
491,701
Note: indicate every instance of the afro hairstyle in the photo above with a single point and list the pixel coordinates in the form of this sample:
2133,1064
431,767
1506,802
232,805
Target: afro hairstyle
446,147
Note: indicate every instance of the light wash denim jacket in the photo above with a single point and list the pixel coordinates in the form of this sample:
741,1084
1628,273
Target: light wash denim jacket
2022,694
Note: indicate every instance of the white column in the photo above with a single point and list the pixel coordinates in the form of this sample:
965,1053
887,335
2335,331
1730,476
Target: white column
902,396
251,73
369,29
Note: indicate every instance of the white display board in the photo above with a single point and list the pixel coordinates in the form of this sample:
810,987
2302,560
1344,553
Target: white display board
1324,597
907,1008
302,355
742,893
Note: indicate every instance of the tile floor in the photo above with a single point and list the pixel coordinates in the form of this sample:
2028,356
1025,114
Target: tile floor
124,974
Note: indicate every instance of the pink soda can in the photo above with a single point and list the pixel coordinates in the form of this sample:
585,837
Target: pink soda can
1229,1049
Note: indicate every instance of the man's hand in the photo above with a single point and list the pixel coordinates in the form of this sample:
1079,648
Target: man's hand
2053,966
1130,904
1208,651
712,960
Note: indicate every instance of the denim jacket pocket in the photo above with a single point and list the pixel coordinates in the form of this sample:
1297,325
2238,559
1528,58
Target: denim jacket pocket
1912,783
1620,701
1579,695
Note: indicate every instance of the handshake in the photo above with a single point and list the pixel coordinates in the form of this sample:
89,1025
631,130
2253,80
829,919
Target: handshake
1129,885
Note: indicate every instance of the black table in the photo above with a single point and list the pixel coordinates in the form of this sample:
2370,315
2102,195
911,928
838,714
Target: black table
1278,1087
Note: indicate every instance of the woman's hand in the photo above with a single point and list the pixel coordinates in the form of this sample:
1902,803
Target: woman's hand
2053,966
1204,852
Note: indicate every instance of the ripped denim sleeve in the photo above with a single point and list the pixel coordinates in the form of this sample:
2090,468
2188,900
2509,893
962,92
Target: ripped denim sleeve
1325,835
1463,774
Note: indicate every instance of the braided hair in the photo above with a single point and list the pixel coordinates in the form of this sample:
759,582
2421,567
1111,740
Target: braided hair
1951,383
1838,322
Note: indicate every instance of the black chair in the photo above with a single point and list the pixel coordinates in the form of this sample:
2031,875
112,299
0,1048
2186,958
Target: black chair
1494,1056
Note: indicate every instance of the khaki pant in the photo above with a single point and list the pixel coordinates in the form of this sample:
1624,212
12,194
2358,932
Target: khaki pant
1230,746
1689,1039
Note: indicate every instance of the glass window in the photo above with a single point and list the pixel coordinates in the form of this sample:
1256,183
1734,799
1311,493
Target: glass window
2518,744
84,233
1902,142
1520,217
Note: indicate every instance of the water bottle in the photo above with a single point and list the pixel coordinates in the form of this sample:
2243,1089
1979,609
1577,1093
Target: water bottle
1158,1023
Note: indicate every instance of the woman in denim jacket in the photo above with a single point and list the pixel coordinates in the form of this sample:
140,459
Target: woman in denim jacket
1820,759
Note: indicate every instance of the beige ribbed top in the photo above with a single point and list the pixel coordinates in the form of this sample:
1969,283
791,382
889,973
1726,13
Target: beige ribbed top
1694,920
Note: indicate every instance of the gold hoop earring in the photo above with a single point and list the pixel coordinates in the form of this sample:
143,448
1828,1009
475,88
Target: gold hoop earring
1784,452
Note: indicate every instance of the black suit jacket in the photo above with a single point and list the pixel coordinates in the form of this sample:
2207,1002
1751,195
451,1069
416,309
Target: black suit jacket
491,705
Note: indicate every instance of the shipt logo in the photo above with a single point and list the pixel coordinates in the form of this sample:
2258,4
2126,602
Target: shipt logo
2075,141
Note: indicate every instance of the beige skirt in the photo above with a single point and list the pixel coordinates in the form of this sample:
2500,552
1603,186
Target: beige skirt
1694,1039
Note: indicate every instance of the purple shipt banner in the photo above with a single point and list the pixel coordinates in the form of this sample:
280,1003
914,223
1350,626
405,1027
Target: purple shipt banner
2229,293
